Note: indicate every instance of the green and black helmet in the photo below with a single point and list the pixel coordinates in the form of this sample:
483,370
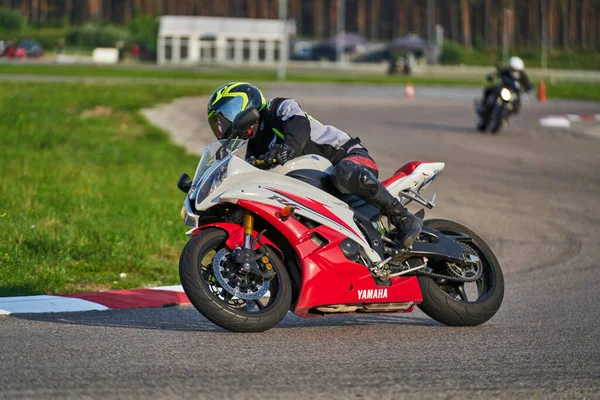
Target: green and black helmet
228,101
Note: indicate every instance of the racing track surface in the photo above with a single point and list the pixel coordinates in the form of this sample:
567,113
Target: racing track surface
532,193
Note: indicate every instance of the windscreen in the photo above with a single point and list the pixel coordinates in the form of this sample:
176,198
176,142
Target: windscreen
214,152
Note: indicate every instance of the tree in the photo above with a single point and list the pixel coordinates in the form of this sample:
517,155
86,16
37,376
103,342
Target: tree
361,17
318,18
573,23
416,9
486,21
375,18
466,22
69,10
533,26
584,18
43,10
332,24
453,16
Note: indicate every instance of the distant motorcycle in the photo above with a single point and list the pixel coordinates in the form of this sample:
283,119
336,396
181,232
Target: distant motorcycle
502,101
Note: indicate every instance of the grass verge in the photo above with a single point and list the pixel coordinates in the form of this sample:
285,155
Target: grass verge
562,90
87,188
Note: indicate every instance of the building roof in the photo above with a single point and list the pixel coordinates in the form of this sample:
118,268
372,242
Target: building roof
213,26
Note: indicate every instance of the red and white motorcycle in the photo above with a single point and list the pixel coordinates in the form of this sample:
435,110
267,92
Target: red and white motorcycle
267,241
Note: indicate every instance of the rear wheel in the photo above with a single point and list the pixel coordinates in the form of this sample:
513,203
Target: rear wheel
464,304
245,304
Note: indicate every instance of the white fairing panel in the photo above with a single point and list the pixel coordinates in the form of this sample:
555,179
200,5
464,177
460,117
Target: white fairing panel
312,161
249,183
419,179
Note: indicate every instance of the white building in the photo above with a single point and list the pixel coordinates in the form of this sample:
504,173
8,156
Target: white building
183,39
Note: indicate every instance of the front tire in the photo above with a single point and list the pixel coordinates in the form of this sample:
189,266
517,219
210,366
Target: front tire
481,125
446,302
219,306
497,118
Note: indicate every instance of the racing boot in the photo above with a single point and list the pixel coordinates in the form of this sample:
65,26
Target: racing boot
408,225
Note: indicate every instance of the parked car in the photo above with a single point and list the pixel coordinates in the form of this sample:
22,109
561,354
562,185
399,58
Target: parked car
24,48
31,48
8,49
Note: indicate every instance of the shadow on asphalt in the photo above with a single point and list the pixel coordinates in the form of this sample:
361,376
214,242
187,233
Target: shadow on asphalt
188,319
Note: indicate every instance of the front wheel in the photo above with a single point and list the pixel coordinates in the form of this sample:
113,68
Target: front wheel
481,125
235,302
497,118
464,304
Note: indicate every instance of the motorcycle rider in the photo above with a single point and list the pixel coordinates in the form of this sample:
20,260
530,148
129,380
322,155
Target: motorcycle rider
285,131
515,71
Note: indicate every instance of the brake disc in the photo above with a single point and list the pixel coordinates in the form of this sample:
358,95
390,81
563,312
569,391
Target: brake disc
247,287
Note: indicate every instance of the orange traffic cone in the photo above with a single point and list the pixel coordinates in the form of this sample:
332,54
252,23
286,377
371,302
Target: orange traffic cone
409,91
542,93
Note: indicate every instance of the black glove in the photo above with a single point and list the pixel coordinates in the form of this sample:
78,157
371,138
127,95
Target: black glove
279,154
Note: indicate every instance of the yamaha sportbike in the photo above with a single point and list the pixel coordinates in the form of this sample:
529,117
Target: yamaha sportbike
265,241
503,100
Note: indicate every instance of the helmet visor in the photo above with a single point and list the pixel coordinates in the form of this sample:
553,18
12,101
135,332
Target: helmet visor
220,122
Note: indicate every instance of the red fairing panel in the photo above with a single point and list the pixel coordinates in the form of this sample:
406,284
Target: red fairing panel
328,277
405,170
327,280
235,235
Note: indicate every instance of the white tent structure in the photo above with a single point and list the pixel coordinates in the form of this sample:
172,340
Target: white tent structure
191,40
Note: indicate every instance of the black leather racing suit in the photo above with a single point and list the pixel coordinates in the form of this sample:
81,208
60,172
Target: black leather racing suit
284,122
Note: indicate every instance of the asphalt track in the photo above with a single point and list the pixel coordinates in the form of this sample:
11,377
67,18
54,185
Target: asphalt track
532,193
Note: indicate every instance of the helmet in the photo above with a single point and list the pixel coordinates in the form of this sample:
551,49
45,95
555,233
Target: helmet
228,101
516,64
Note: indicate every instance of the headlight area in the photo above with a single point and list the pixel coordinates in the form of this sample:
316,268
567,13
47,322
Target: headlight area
187,213
212,181
505,94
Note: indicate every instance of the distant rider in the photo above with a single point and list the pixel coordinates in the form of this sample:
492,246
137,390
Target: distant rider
285,131
515,71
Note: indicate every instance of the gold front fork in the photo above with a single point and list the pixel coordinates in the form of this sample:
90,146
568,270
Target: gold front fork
248,229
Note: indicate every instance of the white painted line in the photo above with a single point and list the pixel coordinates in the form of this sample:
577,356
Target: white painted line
555,122
44,304
597,117
574,117
175,288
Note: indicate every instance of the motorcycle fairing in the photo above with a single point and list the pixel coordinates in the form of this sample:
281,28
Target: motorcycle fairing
328,277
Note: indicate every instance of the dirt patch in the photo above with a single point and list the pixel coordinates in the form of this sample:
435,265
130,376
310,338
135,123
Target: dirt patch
98,111
129,128
185,121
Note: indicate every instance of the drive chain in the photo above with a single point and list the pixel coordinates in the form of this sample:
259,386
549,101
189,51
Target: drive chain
450,278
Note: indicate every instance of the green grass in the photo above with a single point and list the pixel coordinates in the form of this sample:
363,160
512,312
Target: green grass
87,188
573,90
227,75
565,90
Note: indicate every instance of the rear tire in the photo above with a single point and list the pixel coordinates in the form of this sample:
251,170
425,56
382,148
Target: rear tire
441,306
207,296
